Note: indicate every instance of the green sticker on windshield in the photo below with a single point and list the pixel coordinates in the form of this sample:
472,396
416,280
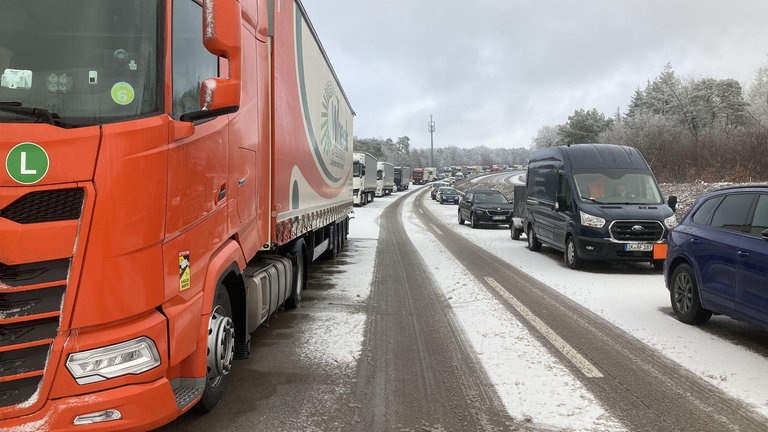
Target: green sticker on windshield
27,163
122,93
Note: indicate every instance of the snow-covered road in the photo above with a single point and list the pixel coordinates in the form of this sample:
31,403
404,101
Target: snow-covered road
532,383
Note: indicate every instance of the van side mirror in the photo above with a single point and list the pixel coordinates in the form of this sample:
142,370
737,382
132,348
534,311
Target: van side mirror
221,36
672,202
561,204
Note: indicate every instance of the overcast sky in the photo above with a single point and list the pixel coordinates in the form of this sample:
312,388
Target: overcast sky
493,72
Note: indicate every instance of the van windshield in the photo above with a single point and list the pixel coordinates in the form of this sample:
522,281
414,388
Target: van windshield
617,187
84,62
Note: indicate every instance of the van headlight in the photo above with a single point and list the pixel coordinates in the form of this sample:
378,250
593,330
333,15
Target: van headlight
132,357
591,221
670,222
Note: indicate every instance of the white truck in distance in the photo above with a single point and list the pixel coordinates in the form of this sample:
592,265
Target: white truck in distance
363,178
385,178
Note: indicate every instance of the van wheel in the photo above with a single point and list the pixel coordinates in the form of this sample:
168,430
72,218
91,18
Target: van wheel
572,258
299,269
221,350
533,242
658,265
461,218
684,295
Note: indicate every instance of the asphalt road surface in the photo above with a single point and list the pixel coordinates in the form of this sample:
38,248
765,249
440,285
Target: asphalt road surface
416,372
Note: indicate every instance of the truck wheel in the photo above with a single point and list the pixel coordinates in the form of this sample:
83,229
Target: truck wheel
221,350
461,218
299,274
533,242
333,243
571,255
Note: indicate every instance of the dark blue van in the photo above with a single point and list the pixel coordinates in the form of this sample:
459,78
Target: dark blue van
596,202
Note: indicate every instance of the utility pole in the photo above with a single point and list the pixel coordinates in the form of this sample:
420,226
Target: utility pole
431,128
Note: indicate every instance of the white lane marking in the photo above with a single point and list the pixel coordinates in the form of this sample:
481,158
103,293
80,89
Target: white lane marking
568,351
435,228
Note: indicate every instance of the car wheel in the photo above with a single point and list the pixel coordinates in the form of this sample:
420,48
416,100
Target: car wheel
461,218
572,258
472,220
515,232
533,242
684,295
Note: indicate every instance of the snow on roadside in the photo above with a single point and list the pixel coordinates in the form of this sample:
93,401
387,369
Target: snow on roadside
635,299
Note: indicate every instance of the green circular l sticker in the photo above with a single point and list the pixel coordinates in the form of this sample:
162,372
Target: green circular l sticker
123,93
27,163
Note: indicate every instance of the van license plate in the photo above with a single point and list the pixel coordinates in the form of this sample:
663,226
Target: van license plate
642,247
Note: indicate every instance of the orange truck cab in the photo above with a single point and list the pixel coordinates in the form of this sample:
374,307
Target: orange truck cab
172,168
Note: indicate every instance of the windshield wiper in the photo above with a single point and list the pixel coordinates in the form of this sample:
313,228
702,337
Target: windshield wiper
41,114
593,200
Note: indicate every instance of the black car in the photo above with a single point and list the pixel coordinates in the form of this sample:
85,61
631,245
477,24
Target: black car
485,206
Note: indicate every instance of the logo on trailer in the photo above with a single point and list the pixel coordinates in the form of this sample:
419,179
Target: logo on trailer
27,163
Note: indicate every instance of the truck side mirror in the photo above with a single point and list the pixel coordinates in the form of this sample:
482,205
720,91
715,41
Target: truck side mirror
672,202
221,36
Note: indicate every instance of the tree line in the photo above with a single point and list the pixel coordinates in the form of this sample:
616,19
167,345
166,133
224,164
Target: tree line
400,153
694,129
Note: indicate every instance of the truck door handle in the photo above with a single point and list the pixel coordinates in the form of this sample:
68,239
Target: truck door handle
222,192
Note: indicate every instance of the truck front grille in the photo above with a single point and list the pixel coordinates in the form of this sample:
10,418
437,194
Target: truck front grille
32,296
45,206
626,231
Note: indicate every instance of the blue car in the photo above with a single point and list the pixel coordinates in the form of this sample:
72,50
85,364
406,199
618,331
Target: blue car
447,194
717,261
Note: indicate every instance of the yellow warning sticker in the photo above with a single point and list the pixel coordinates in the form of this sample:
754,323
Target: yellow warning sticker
184,271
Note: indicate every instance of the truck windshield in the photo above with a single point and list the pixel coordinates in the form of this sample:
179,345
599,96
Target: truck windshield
83,61
618,187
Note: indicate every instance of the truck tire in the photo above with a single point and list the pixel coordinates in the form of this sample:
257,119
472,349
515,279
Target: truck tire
333,242
533,242
221,350
299,261
571,254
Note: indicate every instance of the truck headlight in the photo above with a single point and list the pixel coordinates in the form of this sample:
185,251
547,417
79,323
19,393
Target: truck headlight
132,357
591,220
670,222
